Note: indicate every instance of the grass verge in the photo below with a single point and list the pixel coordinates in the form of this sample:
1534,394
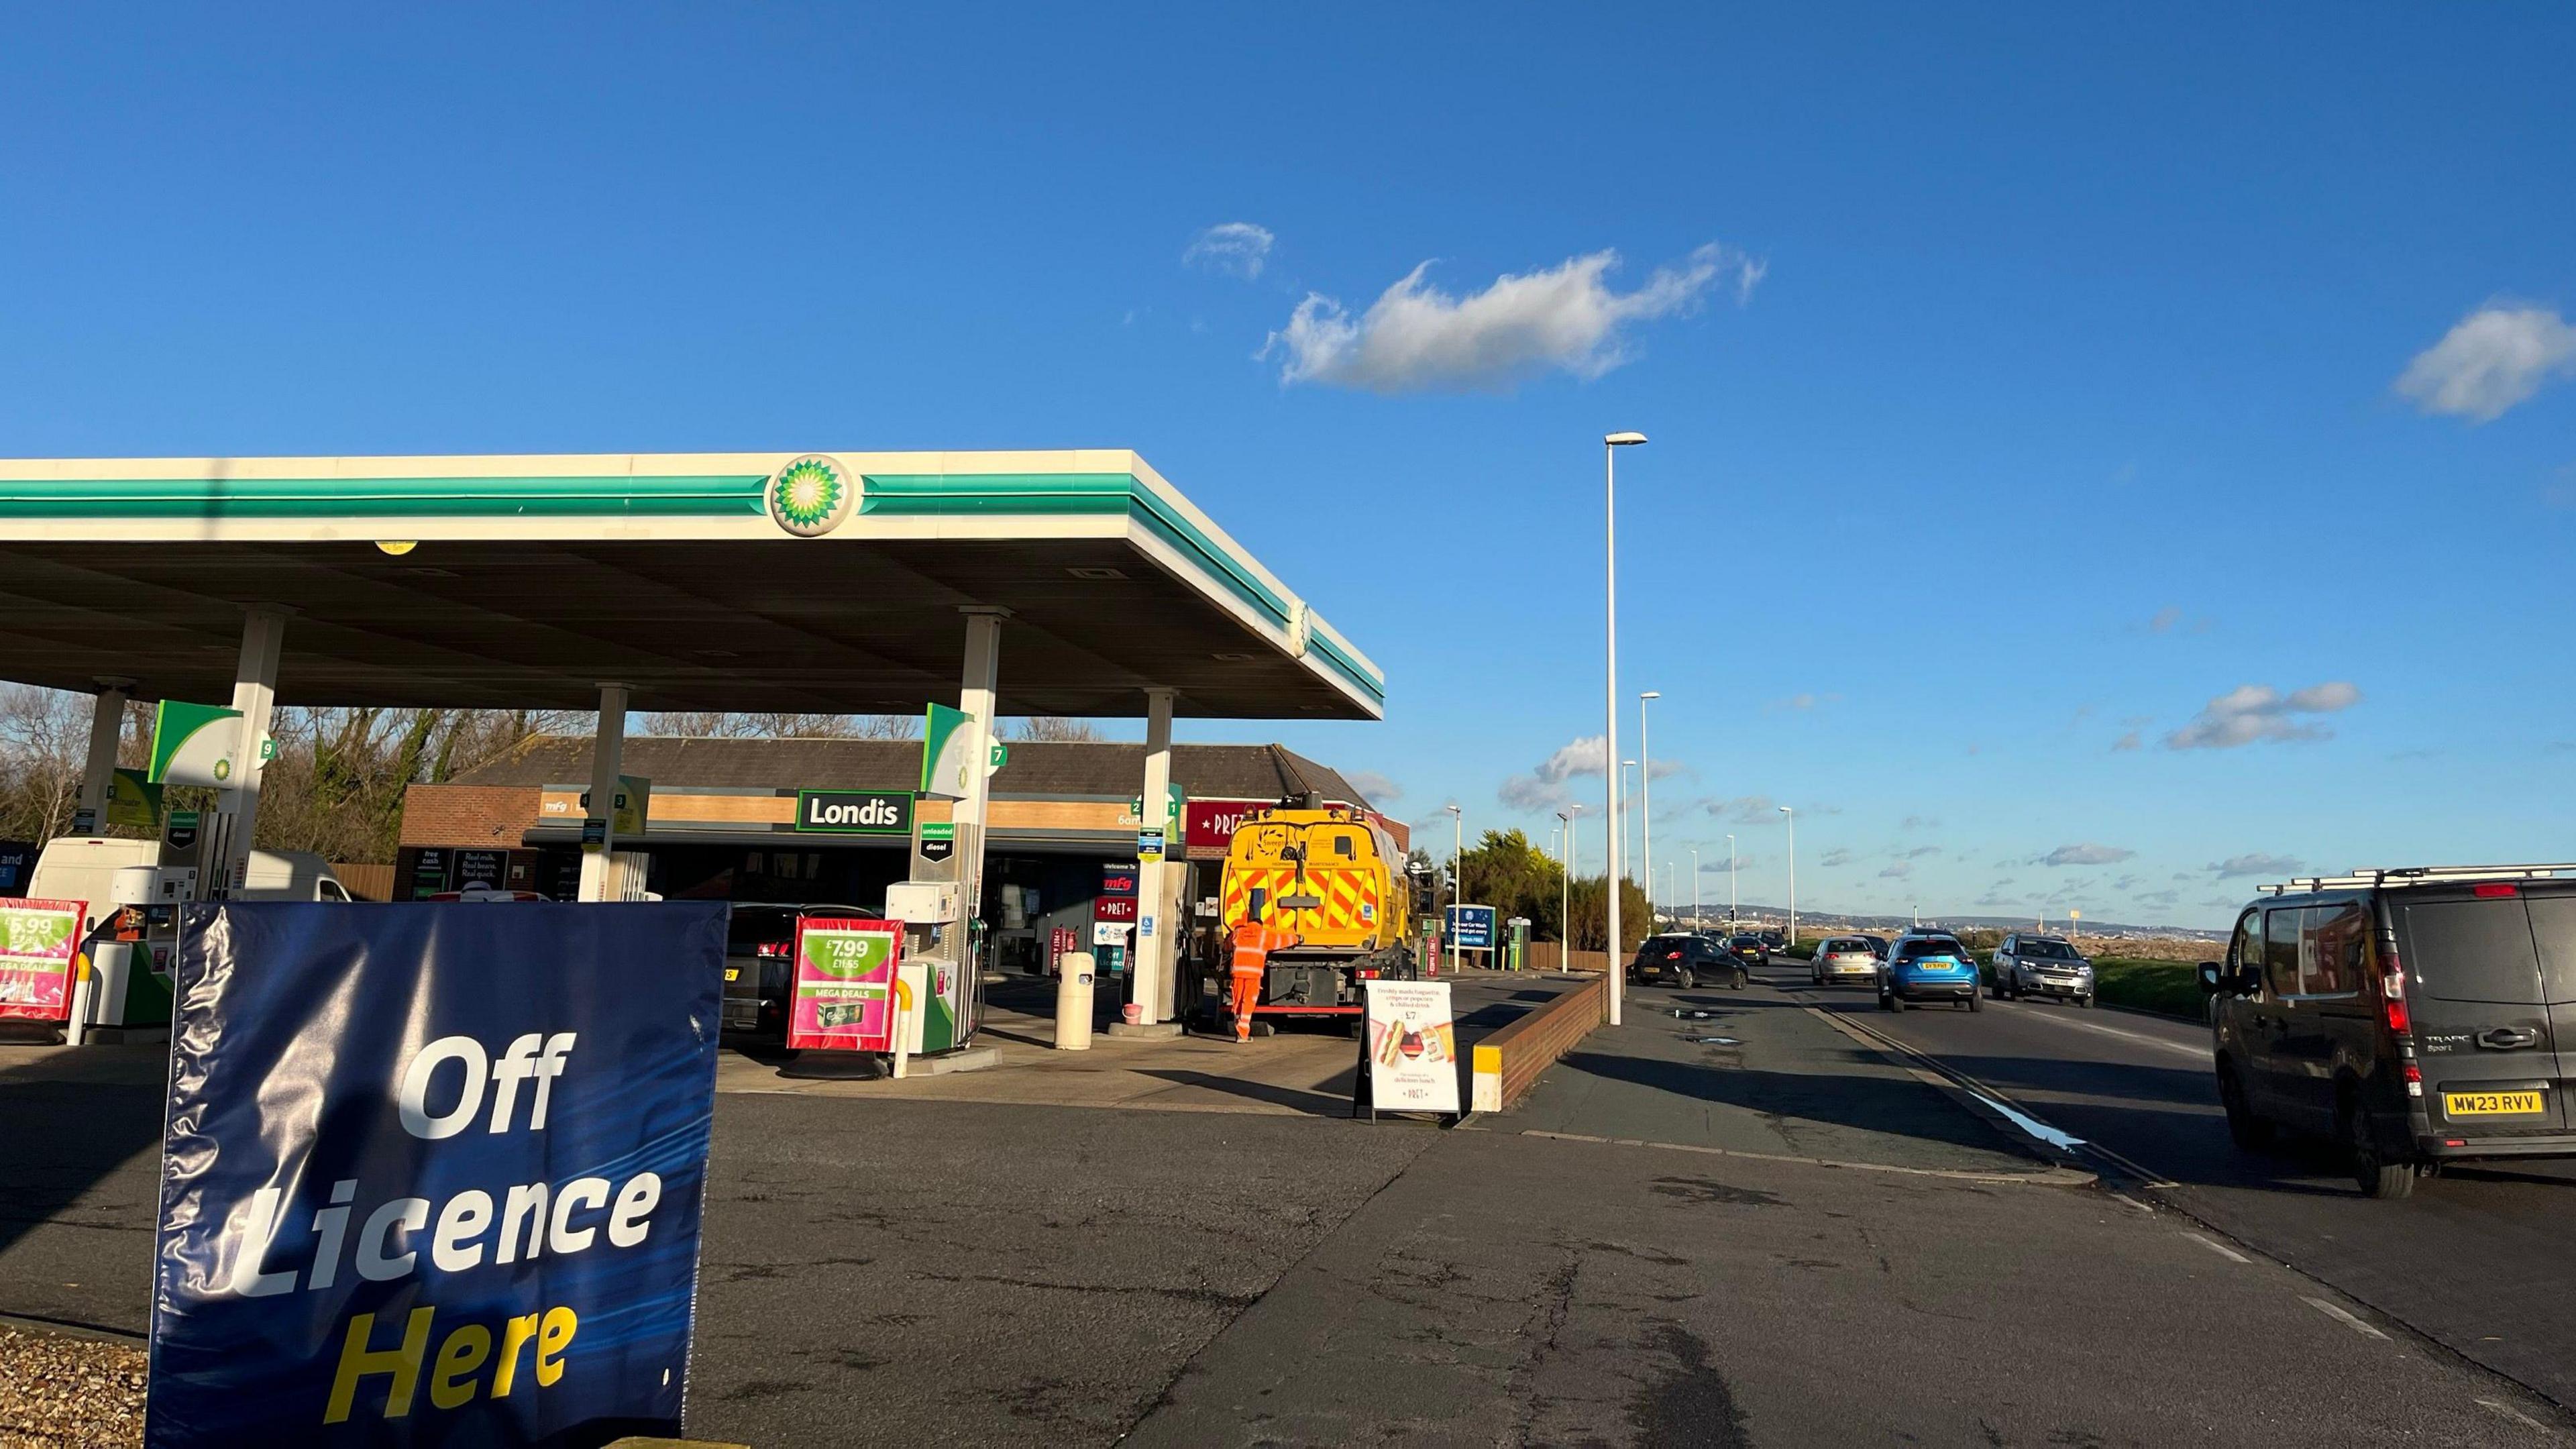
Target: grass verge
2171,988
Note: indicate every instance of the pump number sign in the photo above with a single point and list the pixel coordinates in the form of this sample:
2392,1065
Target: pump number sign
845,974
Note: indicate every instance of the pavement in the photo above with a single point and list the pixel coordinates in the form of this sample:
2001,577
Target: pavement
1781,1238
2477,1259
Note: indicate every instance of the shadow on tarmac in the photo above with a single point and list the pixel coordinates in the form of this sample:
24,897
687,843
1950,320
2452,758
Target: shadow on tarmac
1866,1103
67,1132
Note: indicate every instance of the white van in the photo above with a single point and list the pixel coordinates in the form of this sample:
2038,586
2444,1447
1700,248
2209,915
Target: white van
82,868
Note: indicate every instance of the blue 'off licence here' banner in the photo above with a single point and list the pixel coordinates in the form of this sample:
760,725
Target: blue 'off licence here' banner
433,1173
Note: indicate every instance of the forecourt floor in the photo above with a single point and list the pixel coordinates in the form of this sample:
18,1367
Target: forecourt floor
1777,1239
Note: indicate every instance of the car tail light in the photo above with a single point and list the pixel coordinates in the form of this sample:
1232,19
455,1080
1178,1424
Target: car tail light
1672,955
2392,993
2497,889
1367,973
2414,1080
770,948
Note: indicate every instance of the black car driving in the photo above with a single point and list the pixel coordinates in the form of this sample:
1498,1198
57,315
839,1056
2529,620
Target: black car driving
1683,960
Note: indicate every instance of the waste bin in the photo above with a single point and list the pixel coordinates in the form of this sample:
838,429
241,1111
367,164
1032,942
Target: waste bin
1073,1003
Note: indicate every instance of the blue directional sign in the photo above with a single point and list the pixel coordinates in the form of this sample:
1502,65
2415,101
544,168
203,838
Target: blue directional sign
432,1173
1471,928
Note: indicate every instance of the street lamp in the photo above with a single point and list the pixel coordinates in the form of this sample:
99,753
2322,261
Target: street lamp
1565,892
1694,886
1627,853
1646,802
1730,882
1457,872
1610,446
1793,875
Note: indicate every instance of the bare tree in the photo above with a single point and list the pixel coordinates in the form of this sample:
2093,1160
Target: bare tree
1056,727
736,725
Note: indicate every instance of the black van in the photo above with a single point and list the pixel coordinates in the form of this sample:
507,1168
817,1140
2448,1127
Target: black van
2416,1016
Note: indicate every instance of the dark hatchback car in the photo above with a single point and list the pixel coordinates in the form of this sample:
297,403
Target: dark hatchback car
760,963
2415,1017
1750,950
1684,960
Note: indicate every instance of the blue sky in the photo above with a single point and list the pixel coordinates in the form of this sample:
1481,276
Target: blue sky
2021,381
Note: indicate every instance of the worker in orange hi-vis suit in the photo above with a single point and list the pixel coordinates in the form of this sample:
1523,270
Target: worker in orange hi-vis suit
1253,943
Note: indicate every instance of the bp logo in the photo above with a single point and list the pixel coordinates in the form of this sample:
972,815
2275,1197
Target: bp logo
812,495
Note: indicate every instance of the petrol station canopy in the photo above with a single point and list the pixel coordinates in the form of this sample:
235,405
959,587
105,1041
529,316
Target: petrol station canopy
825,582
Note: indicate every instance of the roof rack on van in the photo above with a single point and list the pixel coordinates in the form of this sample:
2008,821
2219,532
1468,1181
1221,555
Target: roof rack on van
2417,875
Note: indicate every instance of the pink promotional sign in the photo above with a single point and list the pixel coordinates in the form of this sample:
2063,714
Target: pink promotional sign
39,941
844,989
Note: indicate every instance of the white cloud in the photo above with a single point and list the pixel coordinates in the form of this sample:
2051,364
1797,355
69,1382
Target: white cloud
1237,248
1543,788
2252,712
2086,854
2494,358
1918,822
1529,793
2255,863
2165,619
1378,788
1745,810
1837,856
1898,871
2128,741
1415,337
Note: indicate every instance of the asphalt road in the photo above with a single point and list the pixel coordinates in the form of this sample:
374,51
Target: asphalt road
2480,1259
1741,1227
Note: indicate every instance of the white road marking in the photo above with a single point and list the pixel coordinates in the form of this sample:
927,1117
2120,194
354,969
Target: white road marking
2221,1249
2346,1319
2067,1016
2133,1202
2510,1412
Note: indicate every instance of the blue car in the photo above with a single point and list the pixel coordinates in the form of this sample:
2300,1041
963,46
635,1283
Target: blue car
1929,966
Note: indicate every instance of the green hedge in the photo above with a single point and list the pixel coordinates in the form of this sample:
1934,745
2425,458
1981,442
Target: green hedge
2169,987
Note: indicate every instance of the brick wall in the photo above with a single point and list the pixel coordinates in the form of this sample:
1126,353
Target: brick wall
490,816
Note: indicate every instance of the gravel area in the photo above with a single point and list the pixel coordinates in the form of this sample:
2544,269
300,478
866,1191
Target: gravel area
56,1390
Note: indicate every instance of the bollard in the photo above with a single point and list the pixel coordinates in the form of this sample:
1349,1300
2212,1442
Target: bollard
1073,985
902,1008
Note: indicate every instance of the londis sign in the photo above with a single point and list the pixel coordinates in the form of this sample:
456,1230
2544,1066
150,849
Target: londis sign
854,812
409,1197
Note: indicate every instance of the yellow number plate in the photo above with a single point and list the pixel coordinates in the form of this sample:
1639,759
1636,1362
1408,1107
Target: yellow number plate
2492,1104
733,973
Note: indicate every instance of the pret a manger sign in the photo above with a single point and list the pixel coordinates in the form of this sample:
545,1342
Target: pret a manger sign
445,1208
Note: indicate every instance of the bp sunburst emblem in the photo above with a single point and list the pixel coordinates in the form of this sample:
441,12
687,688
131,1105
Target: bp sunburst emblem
811,495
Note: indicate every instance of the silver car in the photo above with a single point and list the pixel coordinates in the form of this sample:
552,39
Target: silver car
1841,959
2034,965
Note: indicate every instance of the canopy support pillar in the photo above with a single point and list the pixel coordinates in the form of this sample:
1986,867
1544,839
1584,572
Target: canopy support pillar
1152,979
106,730
607,758
255,695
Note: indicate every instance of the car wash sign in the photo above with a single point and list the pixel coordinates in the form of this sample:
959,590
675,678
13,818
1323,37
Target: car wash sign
432,1174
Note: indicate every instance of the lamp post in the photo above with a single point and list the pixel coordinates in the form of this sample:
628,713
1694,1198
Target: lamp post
1457,873
1730,882
1694,887
1646,803
1610,446
1565,892
1793,875
1627,822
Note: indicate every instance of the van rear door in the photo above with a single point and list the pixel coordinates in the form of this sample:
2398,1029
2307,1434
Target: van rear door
2481,1017
2553,929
